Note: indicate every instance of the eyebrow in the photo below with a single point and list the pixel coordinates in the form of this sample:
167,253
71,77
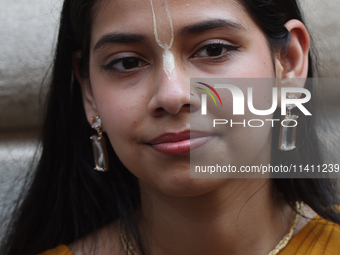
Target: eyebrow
211,24
119,38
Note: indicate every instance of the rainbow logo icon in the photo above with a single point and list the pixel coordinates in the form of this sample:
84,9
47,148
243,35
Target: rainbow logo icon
208,92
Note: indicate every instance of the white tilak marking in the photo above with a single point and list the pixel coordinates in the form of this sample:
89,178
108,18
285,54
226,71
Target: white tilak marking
168,57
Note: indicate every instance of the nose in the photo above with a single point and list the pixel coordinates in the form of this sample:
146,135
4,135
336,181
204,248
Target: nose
174,95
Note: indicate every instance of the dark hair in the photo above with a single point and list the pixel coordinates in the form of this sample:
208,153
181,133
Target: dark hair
67,200
319,193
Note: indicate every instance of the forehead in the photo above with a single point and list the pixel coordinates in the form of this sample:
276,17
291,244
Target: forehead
135,16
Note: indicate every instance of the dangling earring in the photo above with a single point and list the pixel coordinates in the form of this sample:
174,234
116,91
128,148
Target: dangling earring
99,146
288,131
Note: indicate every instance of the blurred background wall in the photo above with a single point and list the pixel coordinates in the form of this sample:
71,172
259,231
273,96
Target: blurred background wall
28,31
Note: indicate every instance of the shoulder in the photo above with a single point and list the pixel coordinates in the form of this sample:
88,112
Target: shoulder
60,250
319,236
104,241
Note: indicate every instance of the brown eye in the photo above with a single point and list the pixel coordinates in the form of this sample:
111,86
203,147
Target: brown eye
125,64
214,50
129,63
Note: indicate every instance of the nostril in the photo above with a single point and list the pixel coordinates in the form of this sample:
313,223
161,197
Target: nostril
187,107
159,110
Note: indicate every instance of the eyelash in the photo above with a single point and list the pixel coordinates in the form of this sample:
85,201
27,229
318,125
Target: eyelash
229,50
110,66
228,47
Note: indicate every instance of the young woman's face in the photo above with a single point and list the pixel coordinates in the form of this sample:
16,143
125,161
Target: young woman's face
139,102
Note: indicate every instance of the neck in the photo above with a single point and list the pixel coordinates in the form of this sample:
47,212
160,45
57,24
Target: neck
240,217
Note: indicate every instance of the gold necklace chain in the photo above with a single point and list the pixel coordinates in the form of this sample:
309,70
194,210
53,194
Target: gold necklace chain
284,241
130,250
128,247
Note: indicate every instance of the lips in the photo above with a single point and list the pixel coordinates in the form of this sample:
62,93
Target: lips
178,144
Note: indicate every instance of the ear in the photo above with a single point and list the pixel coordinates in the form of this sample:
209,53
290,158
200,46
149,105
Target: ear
85,84
293,63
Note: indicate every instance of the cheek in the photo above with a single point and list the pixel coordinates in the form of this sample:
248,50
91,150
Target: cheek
240,144
122,120
121,109
257,61
262,62
121,116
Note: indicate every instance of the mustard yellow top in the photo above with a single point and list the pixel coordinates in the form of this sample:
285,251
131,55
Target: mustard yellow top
318,237
60,250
